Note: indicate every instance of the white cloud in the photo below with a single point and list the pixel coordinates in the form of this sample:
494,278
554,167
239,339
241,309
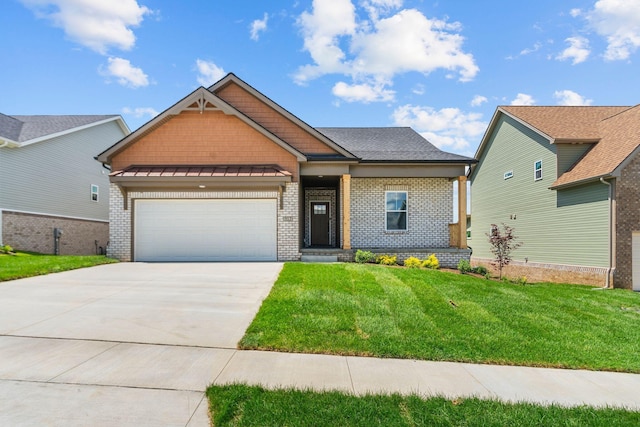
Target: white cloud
575,12
536,47
569,97
523,99
258,26
578,50
140,112
381,46
96,24
362,92
209,72
478,100
448,128
125,73
619,22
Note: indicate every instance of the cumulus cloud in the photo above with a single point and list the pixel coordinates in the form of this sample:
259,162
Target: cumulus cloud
523,99
209,73
569,97
578,50
619,22
448,128
376,48
478,100
96,24
258,26
362,92
139,112
125,73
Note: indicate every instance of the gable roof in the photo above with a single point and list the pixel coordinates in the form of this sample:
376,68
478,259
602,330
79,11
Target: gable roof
22,130
390,144
613,130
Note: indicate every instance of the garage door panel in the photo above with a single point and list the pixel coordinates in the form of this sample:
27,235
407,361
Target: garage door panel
206,230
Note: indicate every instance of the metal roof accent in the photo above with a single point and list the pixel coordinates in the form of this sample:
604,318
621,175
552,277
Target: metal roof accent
210,171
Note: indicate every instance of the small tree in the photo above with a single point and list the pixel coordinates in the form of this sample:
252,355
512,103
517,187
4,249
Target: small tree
502,244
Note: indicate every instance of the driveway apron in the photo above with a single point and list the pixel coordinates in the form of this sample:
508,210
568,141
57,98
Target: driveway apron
123,344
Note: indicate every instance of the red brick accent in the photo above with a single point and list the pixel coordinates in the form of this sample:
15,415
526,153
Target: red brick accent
34,233
210,138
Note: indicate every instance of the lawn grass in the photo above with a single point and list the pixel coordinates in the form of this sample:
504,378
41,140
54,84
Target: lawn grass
371,310
239,405
28,264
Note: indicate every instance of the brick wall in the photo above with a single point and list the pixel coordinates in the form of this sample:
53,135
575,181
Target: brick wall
320,195
121,220
628,221
430,210
34,233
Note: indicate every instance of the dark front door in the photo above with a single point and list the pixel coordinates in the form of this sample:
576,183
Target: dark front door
320,223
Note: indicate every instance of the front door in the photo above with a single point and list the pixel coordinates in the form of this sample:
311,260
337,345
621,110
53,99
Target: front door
320,223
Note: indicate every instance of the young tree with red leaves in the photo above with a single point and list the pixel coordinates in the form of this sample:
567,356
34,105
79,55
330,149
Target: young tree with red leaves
502,244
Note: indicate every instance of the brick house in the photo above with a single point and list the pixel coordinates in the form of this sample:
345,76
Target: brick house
568,180
49,179
227,174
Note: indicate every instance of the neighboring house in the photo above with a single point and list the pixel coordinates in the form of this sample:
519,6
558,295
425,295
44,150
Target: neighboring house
568,180
49,179
228,174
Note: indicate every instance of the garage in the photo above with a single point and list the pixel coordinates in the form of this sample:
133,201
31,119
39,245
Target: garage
205,230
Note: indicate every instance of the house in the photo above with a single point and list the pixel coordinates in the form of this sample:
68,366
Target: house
567,179
228,174
49,180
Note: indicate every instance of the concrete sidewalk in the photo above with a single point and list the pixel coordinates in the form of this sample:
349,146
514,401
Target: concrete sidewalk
95,377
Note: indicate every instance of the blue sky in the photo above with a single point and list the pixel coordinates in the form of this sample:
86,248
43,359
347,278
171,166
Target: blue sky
441,67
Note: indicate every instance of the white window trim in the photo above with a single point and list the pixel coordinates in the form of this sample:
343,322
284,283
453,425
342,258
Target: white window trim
535,170
508,174
97,192
406,211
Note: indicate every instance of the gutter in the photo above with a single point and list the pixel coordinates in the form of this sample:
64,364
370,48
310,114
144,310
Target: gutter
607,284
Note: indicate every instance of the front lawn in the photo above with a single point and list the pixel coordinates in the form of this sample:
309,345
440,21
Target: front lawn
238,405
24,264
371,310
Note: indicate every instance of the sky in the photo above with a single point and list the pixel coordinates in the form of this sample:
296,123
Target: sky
441,67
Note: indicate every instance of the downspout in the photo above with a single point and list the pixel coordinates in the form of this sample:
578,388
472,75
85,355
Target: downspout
608,278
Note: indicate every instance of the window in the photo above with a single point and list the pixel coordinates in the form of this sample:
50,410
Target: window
320,209
94,192
396,210
508,174
537,170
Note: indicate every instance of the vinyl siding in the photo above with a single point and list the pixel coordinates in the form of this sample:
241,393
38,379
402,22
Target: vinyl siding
568,155
54,176
558,227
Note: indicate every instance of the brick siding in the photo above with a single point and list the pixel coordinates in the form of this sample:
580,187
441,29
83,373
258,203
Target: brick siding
628,221
34,233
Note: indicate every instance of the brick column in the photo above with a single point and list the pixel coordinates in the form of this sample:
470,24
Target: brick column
346,211
462,211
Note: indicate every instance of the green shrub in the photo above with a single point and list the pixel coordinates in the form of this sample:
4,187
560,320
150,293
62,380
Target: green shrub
464,266
6,249
481,269
387,259
431,262
363,257
412,262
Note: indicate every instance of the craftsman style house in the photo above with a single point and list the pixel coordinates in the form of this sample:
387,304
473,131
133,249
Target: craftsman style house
568,180
228,174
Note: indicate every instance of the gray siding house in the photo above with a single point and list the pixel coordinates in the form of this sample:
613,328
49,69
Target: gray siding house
228,174
49,179
568,180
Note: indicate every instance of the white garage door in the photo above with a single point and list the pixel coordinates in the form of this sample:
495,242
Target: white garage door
205,230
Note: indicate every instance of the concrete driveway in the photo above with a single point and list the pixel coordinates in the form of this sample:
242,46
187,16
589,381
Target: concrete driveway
123,344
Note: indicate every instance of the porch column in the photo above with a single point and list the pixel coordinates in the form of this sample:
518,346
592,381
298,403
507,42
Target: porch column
346,211
462,211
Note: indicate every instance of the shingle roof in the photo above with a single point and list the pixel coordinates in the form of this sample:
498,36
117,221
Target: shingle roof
25,128
390,144
565,123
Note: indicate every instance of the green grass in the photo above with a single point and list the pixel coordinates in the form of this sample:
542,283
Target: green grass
371,310
238,405
28,264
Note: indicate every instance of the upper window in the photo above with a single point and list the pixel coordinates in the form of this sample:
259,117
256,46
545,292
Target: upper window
508,175
396,210
537,170
94,193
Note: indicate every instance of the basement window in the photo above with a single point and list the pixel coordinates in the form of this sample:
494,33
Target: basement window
94,193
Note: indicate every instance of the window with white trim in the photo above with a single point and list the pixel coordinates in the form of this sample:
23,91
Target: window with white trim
537,170
94,193
396,210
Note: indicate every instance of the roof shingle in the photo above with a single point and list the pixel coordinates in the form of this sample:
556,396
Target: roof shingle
25,128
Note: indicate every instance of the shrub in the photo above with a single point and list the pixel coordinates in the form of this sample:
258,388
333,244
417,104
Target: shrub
464,266
363,257
6,249
412,262
481,269
431,262
387,259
